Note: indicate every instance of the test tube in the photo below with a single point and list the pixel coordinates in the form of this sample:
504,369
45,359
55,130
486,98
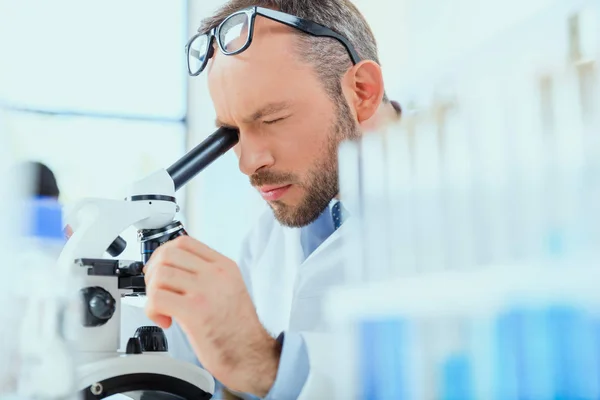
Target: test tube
385,373
535,355
527,169
453,362
481,329
488,115
575,361
401,201
376,209
457,186
349,161
505,355
457,378
587,48
428,209
566,165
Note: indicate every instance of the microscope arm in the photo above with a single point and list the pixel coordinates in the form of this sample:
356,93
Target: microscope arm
96,223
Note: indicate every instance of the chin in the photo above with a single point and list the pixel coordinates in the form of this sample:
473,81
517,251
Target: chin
283,208
285,214
293,217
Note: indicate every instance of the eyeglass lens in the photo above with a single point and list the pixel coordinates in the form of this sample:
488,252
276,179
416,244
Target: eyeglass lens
234,33
197,53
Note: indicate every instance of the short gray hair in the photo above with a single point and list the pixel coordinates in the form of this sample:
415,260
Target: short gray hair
329,58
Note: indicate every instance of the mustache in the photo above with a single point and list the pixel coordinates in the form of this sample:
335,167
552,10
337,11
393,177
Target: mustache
263,178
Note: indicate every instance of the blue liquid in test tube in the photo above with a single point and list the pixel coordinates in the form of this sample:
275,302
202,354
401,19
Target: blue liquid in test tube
456,378
382,359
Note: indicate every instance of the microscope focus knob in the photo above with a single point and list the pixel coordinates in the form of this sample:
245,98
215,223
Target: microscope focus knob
99,306
152,338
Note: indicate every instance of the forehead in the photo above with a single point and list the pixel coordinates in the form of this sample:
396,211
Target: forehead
269,70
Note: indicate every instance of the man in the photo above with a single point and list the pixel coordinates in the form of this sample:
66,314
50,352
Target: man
293,97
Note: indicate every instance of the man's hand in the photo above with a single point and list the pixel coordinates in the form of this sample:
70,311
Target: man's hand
204,292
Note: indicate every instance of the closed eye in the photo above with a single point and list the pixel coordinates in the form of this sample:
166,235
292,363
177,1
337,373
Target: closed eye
274,121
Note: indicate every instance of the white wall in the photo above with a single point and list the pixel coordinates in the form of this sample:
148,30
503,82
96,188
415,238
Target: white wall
417,36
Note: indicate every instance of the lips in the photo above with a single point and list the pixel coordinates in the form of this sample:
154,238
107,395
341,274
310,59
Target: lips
273,193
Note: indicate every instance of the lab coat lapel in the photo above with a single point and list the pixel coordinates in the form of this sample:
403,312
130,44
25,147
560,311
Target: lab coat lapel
274,277
319,273
288,292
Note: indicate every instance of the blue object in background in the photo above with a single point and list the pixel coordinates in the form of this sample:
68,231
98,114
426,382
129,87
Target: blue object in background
576,371
562,320
505,355
382,359
44,219
457,381
536,356
596,353
549,353
523,360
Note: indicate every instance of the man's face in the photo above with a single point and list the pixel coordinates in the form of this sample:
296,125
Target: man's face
289,126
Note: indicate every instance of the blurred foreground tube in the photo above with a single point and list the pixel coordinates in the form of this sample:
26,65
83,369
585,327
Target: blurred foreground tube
476,242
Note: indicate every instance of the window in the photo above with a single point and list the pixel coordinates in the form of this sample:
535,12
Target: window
123,58
96,90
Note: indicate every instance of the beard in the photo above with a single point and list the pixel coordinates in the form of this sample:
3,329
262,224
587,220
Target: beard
322,183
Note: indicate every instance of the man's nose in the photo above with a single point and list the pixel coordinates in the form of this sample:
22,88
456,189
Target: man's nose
253,153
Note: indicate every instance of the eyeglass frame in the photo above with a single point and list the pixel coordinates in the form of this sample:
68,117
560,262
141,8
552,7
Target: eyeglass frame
304,25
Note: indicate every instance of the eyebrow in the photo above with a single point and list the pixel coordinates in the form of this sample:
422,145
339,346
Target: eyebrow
267,110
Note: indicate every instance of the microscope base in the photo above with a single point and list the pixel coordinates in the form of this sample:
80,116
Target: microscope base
141,373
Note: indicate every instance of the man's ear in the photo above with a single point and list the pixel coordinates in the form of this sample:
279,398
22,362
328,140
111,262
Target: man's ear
365,82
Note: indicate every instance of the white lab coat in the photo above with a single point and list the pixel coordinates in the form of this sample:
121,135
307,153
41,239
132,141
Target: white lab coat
289,293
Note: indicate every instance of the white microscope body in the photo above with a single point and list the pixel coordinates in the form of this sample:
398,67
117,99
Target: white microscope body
151,207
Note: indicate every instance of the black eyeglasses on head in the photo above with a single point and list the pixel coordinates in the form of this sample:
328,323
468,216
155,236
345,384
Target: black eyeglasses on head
234,35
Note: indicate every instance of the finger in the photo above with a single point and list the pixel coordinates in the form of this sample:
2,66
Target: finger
163,305
198,248
173,279
171,255
163,321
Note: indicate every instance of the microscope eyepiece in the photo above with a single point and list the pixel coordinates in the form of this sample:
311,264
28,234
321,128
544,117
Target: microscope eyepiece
213,147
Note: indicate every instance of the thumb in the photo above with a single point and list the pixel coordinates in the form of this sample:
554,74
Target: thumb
161,320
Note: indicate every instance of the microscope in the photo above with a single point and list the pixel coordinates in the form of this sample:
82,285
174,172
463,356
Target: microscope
150,206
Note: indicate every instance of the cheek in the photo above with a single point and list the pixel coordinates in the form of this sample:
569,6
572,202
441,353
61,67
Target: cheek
306,137
301,149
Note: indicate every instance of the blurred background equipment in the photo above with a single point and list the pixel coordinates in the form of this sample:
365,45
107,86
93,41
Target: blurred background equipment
43,180
36,359
473,267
